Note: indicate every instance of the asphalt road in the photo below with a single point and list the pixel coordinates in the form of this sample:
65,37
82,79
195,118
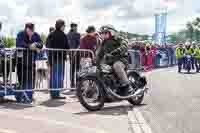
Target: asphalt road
171,106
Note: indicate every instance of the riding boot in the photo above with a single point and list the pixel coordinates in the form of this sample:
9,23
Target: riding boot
127,90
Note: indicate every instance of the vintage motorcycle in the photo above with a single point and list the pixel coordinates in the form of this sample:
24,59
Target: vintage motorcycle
188,62
99,85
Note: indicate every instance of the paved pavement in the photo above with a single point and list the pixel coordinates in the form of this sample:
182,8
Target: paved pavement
172,106
67,116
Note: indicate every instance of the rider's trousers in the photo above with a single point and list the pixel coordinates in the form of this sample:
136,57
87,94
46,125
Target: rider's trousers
119,68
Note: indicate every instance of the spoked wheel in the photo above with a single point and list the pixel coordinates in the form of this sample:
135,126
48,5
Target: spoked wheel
90,94
133,77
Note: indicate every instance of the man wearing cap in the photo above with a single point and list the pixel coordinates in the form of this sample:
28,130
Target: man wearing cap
179,55
74,43
30,41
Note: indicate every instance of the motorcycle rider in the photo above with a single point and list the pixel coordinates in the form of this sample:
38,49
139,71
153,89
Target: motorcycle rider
179,55
188,50
114,52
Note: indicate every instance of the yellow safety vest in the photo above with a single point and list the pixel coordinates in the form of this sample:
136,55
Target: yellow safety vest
197,53
179,52
189,51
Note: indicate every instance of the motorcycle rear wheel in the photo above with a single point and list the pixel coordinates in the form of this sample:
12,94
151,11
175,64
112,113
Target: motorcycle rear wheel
138,100
100,97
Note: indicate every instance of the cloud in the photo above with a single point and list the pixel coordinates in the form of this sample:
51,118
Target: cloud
129,15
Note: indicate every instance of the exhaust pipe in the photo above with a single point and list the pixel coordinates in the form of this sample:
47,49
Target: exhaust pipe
136,94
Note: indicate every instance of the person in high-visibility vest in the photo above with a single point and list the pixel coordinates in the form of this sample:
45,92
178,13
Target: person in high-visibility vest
179,55
193,47
197,58
188,51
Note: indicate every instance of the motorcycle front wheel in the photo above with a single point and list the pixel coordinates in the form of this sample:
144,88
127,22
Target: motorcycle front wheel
90,94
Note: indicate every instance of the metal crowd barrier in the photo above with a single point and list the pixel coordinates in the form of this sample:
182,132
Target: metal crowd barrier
135,59
23,70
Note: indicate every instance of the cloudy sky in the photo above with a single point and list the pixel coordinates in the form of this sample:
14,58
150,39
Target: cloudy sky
129,15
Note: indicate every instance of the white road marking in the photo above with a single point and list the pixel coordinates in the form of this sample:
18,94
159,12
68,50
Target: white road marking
137,122
53,122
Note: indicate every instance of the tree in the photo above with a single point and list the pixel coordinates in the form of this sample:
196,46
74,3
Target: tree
44,38
145,37
190,30
9,42
172,38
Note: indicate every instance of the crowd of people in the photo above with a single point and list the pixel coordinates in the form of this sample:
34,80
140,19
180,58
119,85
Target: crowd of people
149,54
31,41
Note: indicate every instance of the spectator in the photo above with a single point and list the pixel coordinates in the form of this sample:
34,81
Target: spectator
154,53
2,63
89,41
143,53
26,62
57,40
0,31
51,29
74,37
74,43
